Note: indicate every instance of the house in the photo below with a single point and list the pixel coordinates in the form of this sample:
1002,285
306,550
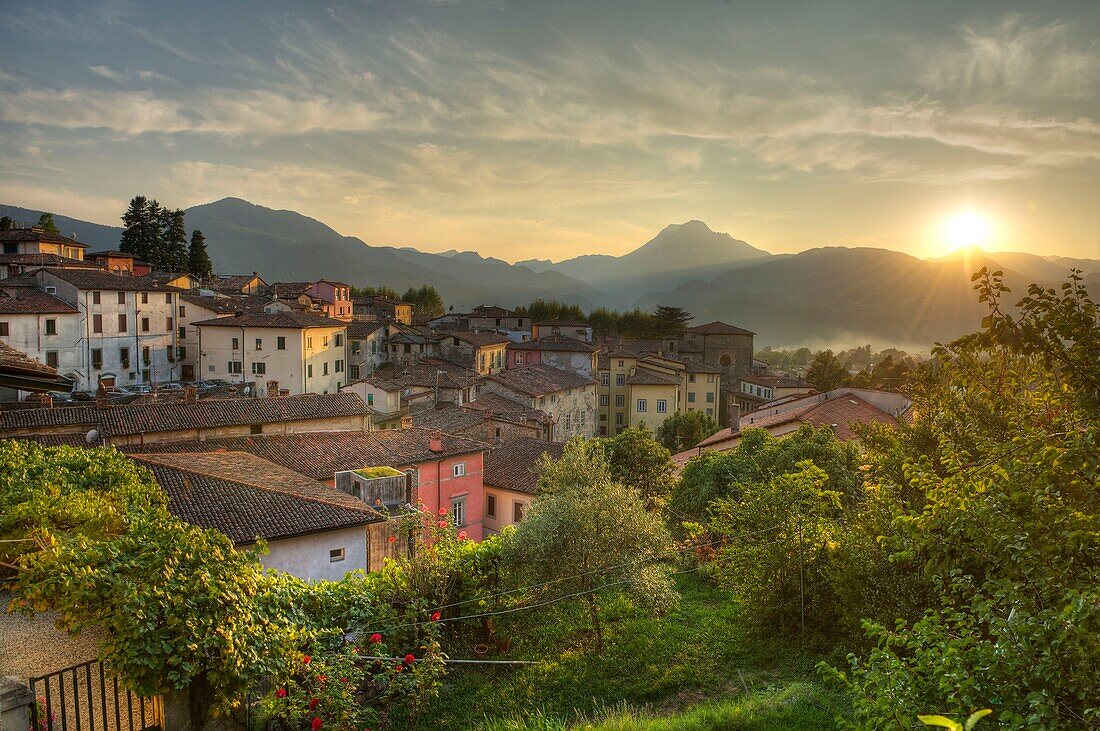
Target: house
642,387
43,326
238,284
841,409
313,531
483,351
721,345
114,261
304,353
505,409
333,299
390,389
511,479
756,391
179,280
190,419
473,423
490,317
36,240
383,309
575,330
366,347
406,345
194,308
448,469
21,373
127,327
653,397
559,351
568,398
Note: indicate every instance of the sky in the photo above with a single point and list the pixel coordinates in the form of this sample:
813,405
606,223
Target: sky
551,129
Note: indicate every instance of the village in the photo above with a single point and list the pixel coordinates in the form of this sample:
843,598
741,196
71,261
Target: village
256,403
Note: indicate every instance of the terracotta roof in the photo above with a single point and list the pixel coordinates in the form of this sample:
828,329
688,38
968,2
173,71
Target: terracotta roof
53,440
37,234
288,319
113,253
511,465
559,343
246,497
718,328
232,282
364,328
776,381
83,415
561,323
46,260
450,418
539,379
104,280
646,377
492,311
505,408
215,304
320,455
692,366
31,301
479,339
19,370
290,289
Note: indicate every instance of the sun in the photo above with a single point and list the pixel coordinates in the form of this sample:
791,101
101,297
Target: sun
966,228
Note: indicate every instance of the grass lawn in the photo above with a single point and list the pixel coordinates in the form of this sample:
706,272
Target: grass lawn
694,668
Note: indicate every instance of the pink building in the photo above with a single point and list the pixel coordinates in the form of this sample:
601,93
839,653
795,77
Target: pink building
455,483
335,298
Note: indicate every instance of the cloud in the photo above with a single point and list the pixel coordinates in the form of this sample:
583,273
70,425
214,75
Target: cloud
125,77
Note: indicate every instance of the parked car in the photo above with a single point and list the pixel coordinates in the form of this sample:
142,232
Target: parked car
170,387
141,388
83,396
61,396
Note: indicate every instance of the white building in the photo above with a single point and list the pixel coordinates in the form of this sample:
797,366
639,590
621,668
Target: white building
195,308
304,353
41,325
125,330
366,348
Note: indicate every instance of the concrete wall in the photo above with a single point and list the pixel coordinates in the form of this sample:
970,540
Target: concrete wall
574,410
307,557
336,423
650,395
504,509
28,334
301,367
188,313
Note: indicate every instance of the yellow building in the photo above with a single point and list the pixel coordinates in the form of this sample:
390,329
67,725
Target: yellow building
639,388
38,241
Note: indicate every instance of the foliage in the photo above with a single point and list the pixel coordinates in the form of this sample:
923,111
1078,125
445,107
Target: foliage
786,359
944,722
198,260
995,497
46,223
141,229
369,291
671,320
541,310
684,429
826,372
383,471
586,530
172,254
637,461
760,457
426,301
6,223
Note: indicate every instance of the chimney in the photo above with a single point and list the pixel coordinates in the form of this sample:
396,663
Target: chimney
735,413
102,401
41,400
190,394
273,388
406,422
435,441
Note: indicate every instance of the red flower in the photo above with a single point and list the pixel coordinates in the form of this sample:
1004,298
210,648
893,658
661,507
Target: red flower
313,703
376,638
442,524
392,539
322,678
462,535
280,693
397,668
443,511
436,616
315,724
306,659
410,658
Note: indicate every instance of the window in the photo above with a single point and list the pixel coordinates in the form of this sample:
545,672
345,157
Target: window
122,298
11,247
144,298
97,323
458,511
97,358
356,347
146,355
517,511
339,339
259,343
51,327
145,324
324,341
725,360
167,298
309,342
183,311
95,298
124,357
619,419
603,399
259,368
620,380
691,397
568,422
122,322
710,378
51,358
620,400
339,367
181,353
491,505
620,364
236,367
641,405
236,344
353,372
170,324
182,334
370,399
458,469
691,378
605,379
710,397
336,554
309,371
324,368
256,429
4,329
662,406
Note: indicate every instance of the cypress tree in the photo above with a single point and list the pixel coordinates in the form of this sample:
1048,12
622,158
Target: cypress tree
151,234
135,222
46,223
173,241
198,261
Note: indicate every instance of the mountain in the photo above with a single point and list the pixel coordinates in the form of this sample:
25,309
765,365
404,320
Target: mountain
679,253
95,235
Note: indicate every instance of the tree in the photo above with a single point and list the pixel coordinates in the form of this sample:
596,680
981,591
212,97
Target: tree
173,241
827,372
141,229
637,460
6,223
685,429
198,260
671,320
426,301
46,223
585,531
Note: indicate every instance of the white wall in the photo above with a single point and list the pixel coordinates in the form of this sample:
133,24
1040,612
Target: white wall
307,557
290,367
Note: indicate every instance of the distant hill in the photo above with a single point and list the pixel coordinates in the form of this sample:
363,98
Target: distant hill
827,296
